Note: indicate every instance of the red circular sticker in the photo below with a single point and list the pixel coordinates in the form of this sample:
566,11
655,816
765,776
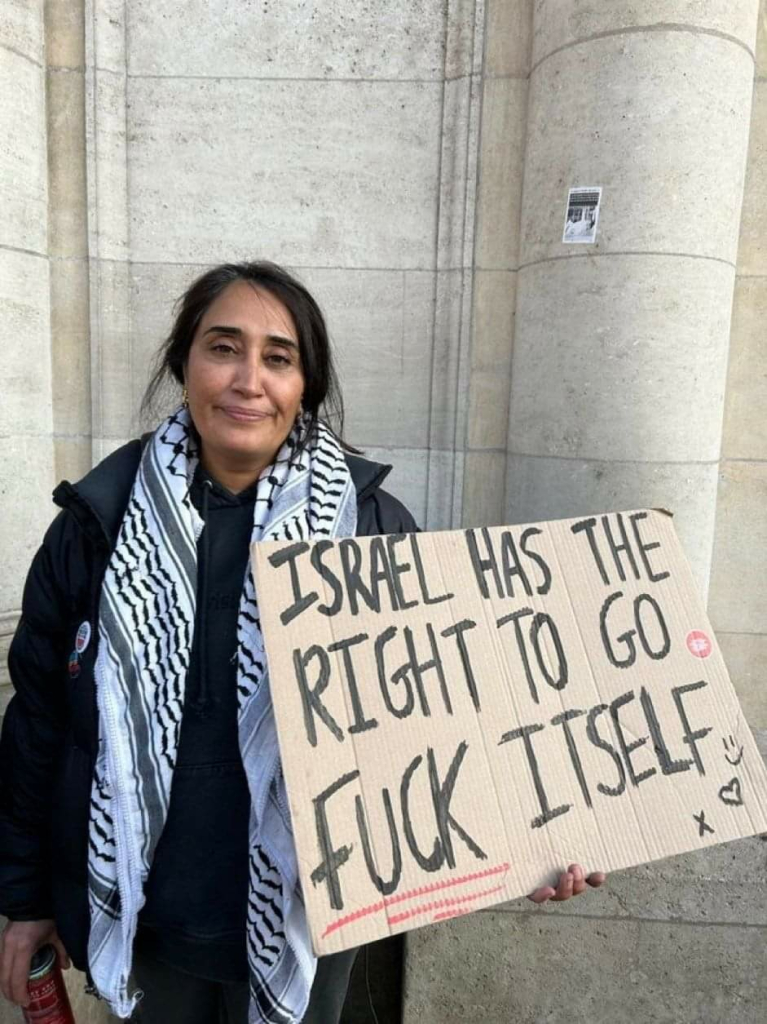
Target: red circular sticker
699,643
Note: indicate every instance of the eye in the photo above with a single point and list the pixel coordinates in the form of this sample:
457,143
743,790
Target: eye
223,347
278,359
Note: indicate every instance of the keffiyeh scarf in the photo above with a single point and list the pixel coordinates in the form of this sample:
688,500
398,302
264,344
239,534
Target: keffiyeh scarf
146,623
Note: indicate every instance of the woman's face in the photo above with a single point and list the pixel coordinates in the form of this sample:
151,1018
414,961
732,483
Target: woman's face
244,377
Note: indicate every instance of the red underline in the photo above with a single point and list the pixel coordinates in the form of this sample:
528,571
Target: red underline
452,913
436,904
374,908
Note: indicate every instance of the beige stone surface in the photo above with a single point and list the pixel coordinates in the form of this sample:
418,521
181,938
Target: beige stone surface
563,22
86,1009
636,102
460,116
745,410
703,886
349,178
70,346
293,39
541,488
427,481
451,329
739,568
380,323
72,457
548,967
6,690
621,358
752,254
501,168
508,34
25,370
106,37
8,622
488,410
113,411
484,486
761,40
103,446
23,171
21,27
154,291
443,472
106,146
67,191
492,340
26,481
464,27
745,655
65,33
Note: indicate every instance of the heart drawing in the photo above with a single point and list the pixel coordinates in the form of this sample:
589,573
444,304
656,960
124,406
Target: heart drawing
731,793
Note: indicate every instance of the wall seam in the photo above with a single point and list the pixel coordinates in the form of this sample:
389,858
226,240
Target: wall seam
24,56
643,30
626,252
667,922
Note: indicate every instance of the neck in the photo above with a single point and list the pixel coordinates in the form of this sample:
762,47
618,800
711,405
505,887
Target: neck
234,474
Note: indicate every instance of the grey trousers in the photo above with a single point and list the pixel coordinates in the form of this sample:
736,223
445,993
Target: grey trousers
173,997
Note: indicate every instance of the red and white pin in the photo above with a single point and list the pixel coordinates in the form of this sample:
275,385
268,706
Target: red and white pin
699,643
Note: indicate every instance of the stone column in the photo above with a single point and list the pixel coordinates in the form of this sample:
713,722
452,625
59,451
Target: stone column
739,570
620,350
26,470
496,256
68,237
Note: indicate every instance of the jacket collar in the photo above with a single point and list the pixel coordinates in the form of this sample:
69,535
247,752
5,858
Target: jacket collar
99,500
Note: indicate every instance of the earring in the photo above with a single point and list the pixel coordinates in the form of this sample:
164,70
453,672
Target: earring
185,397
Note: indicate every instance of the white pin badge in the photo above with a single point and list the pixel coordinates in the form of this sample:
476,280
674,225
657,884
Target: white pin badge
83,637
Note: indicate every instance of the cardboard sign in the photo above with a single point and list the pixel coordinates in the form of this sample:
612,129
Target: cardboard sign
463,714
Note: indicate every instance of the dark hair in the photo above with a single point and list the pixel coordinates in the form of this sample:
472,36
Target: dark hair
321,391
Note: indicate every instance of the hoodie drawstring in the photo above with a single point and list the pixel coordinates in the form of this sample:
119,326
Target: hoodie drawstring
202,702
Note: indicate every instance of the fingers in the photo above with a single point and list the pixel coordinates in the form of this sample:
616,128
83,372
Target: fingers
541,895
5,968
579,879
571,883
64,962
564,888
20,976
14,972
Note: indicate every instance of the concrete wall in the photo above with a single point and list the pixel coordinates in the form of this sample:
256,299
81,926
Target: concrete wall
25,374
306,134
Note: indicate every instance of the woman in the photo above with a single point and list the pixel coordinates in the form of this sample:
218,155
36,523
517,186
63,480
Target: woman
154,770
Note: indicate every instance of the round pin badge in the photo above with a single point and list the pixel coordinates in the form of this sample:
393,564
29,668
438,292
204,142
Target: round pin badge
699,643
73,665
83,637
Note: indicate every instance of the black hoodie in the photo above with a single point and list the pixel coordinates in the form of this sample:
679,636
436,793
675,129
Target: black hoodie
196,895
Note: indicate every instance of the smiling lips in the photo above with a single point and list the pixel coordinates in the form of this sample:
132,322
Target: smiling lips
244,415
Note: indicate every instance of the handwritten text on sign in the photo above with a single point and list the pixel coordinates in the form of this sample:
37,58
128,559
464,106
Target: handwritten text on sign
461,714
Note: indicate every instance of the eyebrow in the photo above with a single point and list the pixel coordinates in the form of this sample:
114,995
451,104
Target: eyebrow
275,339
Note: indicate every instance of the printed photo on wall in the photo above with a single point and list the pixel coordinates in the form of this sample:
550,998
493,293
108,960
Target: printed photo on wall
582,215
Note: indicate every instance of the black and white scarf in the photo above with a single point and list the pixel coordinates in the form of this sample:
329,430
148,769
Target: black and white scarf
146,623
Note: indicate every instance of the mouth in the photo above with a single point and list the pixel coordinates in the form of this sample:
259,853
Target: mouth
244,415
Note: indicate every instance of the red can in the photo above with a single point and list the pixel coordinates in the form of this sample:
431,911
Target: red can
48,998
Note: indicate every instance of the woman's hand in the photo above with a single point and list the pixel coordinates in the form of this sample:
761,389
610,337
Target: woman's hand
18,944
571,883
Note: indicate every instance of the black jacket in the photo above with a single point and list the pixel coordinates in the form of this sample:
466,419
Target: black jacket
50,732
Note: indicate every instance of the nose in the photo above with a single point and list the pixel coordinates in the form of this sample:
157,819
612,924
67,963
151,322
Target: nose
249,381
